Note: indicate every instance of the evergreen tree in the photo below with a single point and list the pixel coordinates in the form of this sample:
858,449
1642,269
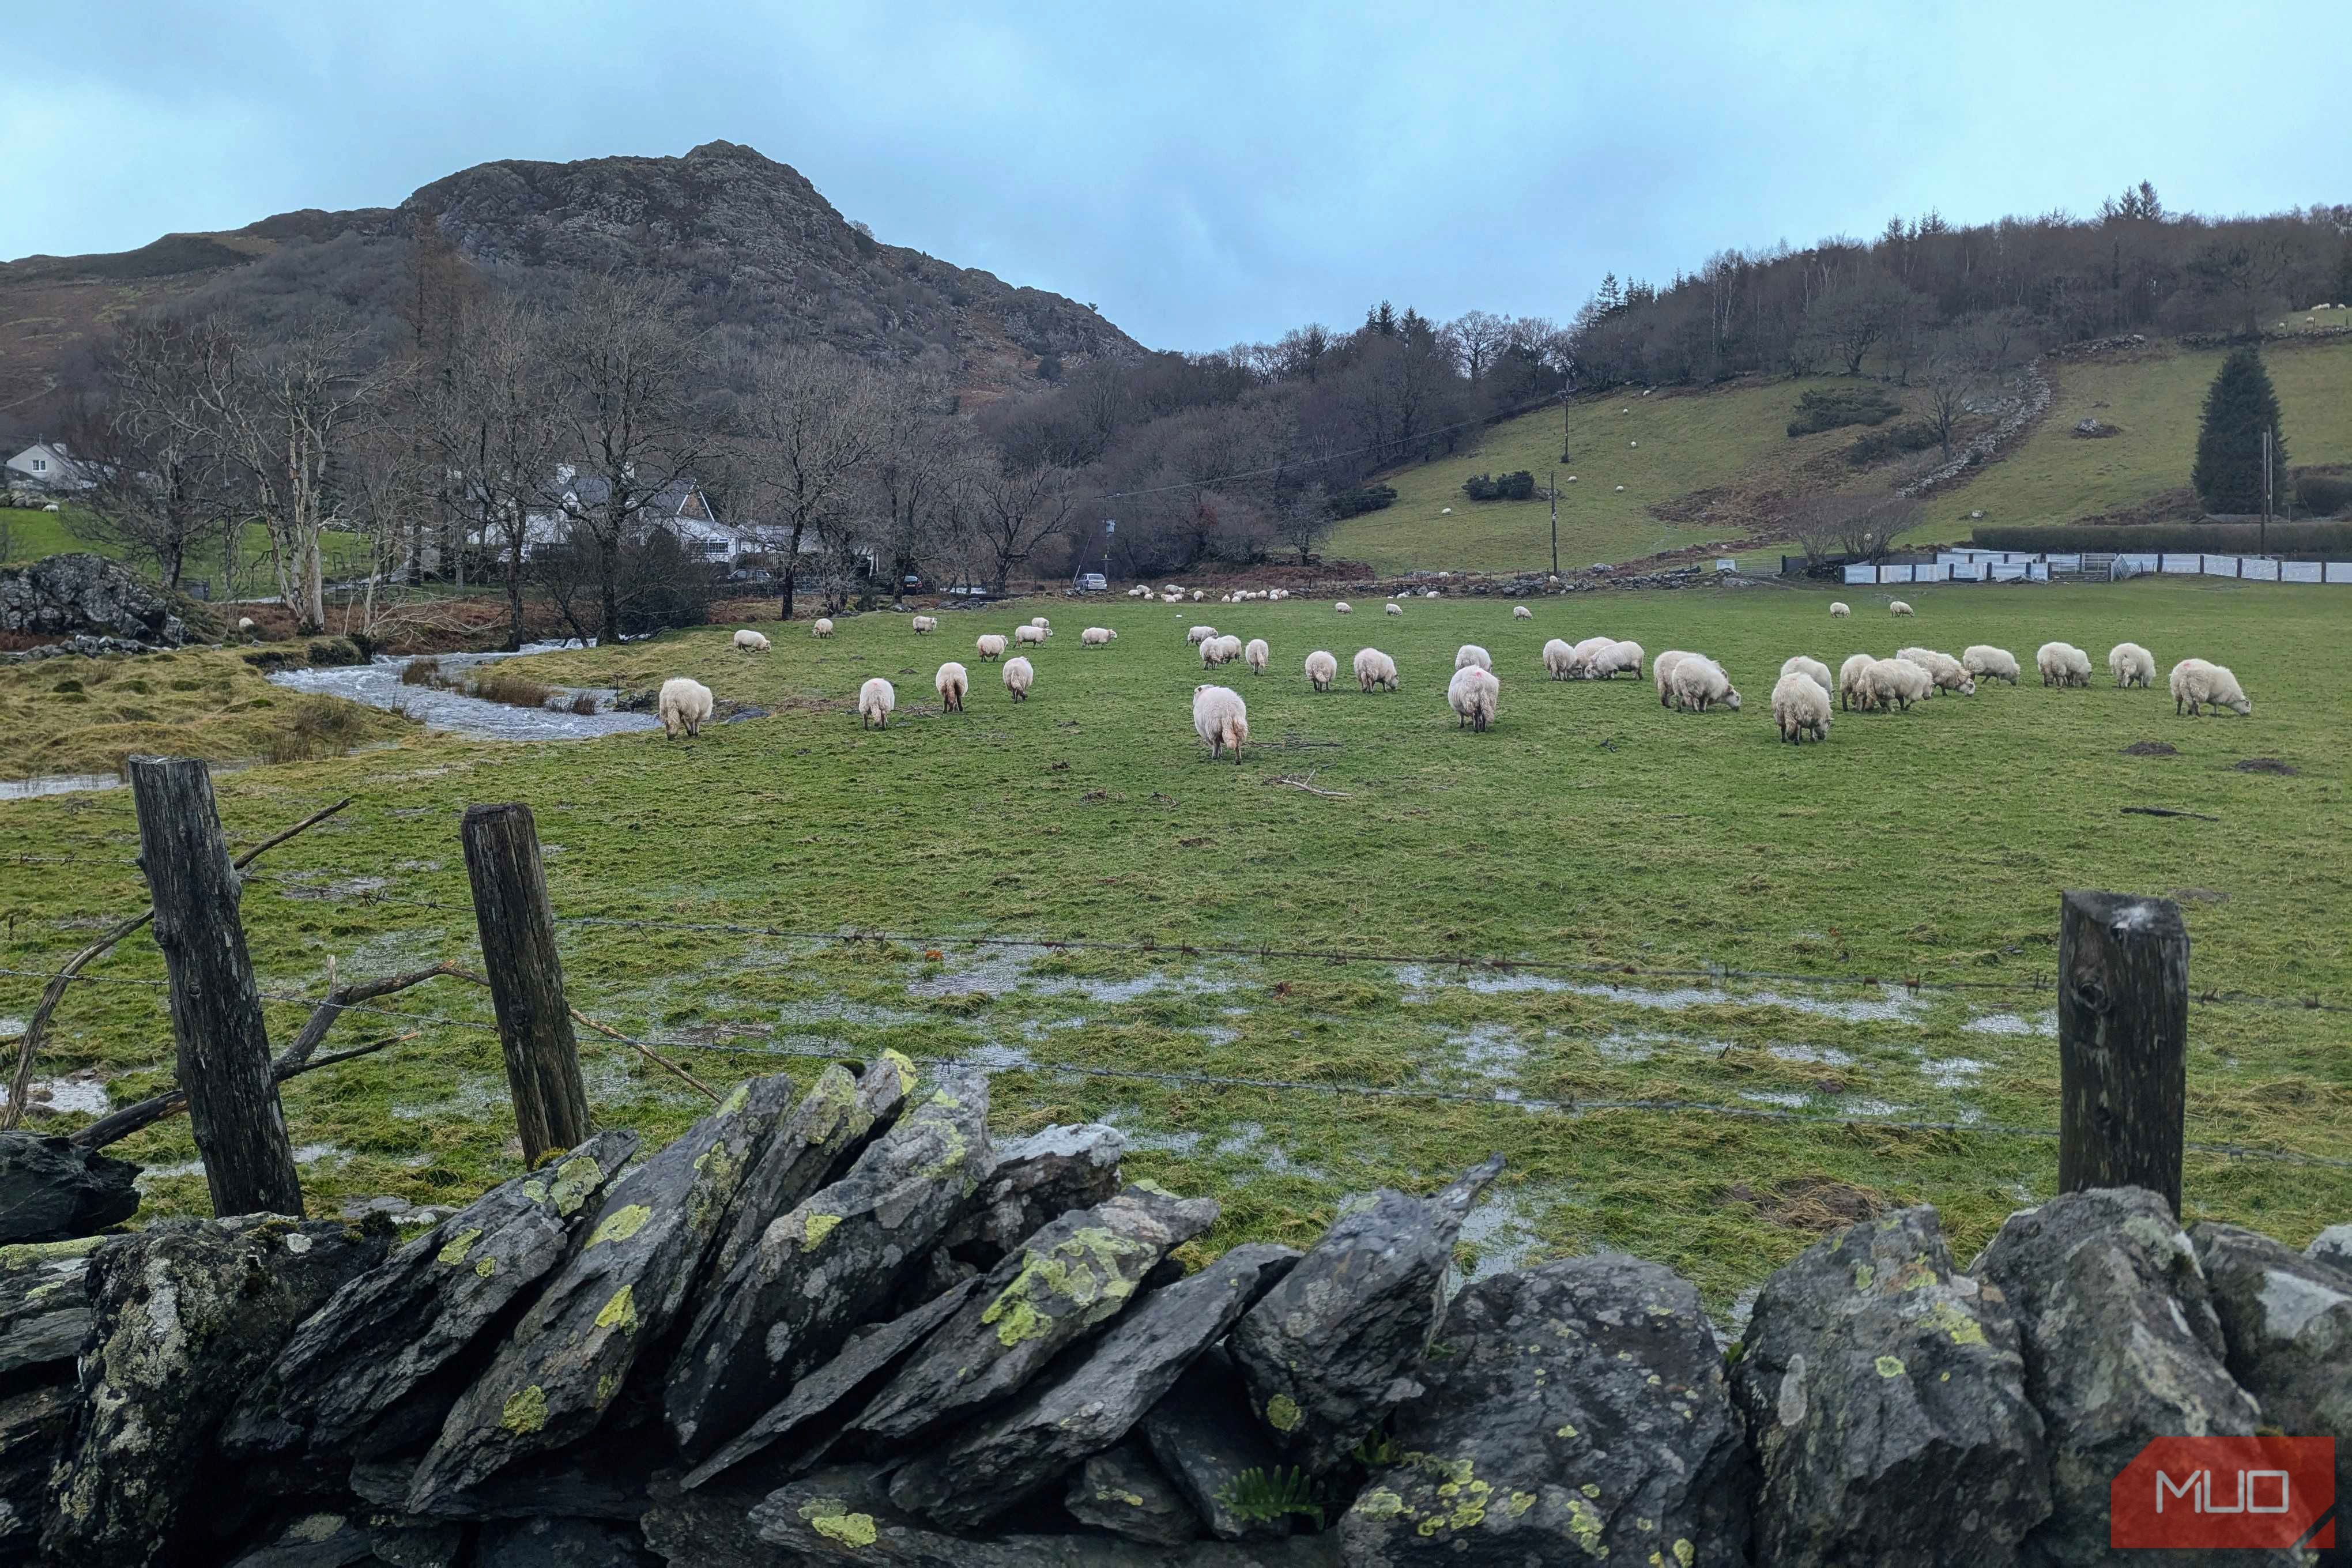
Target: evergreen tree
2342,293
2239,407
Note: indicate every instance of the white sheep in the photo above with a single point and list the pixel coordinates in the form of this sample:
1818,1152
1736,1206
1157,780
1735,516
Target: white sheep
2131,665
821,628
1171,598
1899,607
1198,635
1096,637
1474,696
1853,687
1989,663
1470,653
1429,593
1581,665
244,626
1813,669
1617,658
1040,622
1322,669
1800,708
1662,669
1947,673
875,699
1521,613
1031,636
2063,664
1171,588
1196,595
990,646
926,624
1840,607
2199,684
953,683
1221,718
1256,655
1343,609
1559,659
1138,592
1700,683
1219,650
684,704
1375,669
749,641
1396,609
1020,674
1899,681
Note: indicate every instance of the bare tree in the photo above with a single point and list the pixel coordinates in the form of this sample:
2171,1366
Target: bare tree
1302,521
161,489
384,477
1015,511
815,420
490,420
919,469
1478,336
1857,527
1850,320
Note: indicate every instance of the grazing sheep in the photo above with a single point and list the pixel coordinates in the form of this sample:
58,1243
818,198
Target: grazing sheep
1473,695
1138,592
1171,588
875,699
1700,683
926,624
1989,663
1322,669
1219,650
1899,608
1375,669
1429,593
684,704
1813,669
244,626
2063,664
1096,637
1521,613
1197,634
1343,609
1020,674
1171,598
750,642
1470,653
1838,607
1559,659
1581,665
1801,707
953,683
2131,665
1900,681
821,628
1196,595
1394,608
1853,687
1617,658
1031,636
990,646
1255,654
1945,671
1040,622
1662,669
1221,718
2200,684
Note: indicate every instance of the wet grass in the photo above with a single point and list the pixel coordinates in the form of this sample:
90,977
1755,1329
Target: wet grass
1588,828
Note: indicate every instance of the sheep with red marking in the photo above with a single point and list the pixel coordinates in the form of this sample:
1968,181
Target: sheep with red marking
1221,718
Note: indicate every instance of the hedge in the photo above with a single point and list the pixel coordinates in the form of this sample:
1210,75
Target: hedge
2316,540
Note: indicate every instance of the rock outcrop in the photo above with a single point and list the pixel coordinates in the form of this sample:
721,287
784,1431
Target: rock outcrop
51,1190
61,596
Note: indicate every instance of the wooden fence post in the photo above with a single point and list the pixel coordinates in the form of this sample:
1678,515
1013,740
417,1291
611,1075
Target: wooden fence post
2123,1042
222,1042
526,977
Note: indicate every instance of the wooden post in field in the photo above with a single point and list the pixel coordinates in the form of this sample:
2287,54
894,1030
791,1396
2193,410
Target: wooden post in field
526,977
223,1043
2123,1042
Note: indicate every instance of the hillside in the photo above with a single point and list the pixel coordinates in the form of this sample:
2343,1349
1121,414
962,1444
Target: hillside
1706,465
757,250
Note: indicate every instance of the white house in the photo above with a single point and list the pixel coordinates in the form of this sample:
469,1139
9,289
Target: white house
47,464
682,508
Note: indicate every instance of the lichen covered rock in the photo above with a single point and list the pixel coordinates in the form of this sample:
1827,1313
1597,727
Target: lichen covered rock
1122,1491
50,1190
1203,1438
2287,1319
1037,1179
44,1304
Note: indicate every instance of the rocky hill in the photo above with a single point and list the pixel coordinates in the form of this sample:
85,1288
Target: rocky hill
759,252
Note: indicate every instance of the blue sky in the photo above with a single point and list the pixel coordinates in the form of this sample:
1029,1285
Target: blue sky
1206,173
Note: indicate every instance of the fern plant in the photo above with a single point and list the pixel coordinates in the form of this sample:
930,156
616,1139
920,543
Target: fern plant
1260,1498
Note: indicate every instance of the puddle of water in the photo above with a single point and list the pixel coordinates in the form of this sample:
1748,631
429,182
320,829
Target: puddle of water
1123,1120
995,1057
311,1153
995,972
2044,1024
1501,1229
377,684
1781,1097
1115,990
168,1173
64,1096
67,784
1248,1141
1893,1003
1214,1034
1819,1056
1951,1072
1869,1107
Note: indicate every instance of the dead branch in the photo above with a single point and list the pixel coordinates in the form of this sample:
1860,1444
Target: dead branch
644,1050
1307,784
117,1125
2166,810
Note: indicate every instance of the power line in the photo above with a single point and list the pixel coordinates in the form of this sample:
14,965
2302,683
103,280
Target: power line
1295,463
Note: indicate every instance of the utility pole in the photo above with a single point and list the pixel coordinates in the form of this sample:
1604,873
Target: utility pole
2265,543
1555,522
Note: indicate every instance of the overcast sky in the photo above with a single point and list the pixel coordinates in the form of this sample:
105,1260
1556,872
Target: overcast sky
1206,173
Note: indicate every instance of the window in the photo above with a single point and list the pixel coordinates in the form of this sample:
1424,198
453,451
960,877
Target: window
40,465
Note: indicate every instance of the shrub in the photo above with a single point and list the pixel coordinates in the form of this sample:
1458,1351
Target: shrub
2328,541
423,671
1879,445
1840,406
1510,487
317,727
2324,495
514,691
1366,497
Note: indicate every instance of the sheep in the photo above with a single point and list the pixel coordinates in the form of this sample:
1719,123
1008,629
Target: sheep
1942,668
1322,669
821,626
1700,683
1031,636
1198,635
244,626
1375,669
1899,607
1042,623
1616,658
2198,683
1096,637
1559,659
1800,708
2063,664
1343,609
1899,681
2131,665
1138,592
1171,598
953,683
1255,654
1521,613
1196,595
875,699
1853,687
1394,608
1429,593
1813,669
1020,674
1219,650
1171,588
990,646
1989,663
1840,607
1474,696
684,704
1662,669
1221,718
749,641
1470,653
926,624
1581,665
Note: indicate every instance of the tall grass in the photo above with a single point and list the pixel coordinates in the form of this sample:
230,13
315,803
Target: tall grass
317,727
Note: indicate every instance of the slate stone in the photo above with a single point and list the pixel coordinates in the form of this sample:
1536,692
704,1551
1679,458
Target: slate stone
2121,1346
1012,1454
34,1425
2286,1317
1037,1179
1060,1285
550,1383
596,1483
707,1527
45,1303
828,1264
869,1357
388,1330
1575,1412
1877,1384
1332,1348
311,1541
184,1314
1203,1436
557,1542
1122,1491
2333,1245
52,1191
403,1541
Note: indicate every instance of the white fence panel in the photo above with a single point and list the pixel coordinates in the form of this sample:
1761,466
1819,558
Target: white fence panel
1865,575
2136,563
2065,562
2191,564
2256,570
2007,571
2303,572
1940,573
2221,565
1971,572
2037,570
1895,573
2337,571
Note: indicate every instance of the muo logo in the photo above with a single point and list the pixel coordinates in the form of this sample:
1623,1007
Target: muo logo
2225,1492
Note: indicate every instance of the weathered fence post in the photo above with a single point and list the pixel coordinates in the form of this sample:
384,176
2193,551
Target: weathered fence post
526,977
2123,1042
223,1042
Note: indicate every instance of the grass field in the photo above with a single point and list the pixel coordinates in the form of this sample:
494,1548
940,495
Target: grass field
1733,439
1589,831
29,533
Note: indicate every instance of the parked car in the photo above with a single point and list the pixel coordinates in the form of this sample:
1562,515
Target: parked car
1093,582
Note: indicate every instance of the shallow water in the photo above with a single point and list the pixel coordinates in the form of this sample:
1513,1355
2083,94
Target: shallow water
378,685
